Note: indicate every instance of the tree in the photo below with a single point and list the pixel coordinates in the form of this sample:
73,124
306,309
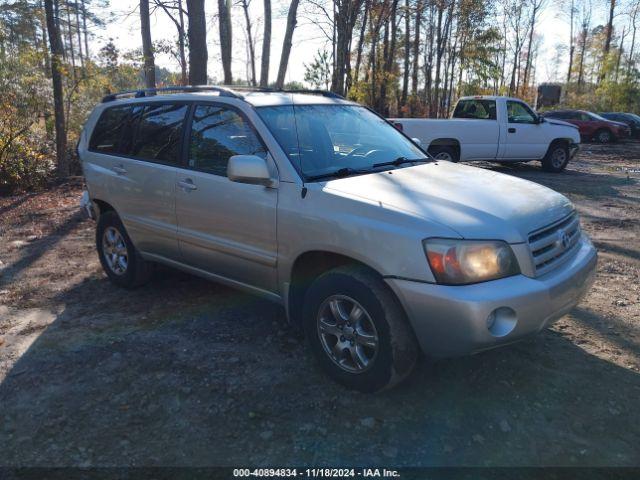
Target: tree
292,17
318,73
266,45
224,18
345,15
252,54
147,46
55,44
170,8
197,35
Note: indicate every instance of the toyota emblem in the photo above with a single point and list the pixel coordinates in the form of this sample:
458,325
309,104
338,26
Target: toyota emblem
564,239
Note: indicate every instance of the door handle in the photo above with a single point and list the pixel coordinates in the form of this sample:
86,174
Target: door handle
119,169
512,130
187,185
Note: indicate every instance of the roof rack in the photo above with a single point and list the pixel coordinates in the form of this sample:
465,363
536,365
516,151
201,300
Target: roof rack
223,91
147,92
249,88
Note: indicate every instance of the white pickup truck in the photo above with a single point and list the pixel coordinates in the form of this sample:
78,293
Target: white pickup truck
500,129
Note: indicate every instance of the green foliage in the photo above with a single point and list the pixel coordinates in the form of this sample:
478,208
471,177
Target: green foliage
318,73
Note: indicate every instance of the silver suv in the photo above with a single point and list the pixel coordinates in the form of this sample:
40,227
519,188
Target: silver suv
375,249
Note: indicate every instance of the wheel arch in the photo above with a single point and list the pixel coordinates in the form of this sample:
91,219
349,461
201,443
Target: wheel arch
306,268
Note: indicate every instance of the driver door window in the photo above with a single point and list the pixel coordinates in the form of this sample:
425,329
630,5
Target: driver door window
519,113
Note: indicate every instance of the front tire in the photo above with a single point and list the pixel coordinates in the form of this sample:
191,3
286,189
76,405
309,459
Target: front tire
357,330
119,258
557,157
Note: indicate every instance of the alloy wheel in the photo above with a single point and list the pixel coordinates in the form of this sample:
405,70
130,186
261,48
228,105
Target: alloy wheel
114,250
347,333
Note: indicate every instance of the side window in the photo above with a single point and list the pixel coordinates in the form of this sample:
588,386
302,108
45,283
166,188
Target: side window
154,132
217,134
519,113
476,109
108,130
585,117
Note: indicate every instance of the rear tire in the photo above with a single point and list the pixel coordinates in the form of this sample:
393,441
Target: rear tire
557,157
119,258
444,152
604,136
357,330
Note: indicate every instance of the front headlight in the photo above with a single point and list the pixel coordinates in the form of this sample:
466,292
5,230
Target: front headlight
457,262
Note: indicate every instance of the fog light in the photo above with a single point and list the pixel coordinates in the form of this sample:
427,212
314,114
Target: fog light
502,321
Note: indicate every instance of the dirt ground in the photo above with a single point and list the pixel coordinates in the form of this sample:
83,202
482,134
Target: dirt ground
189,373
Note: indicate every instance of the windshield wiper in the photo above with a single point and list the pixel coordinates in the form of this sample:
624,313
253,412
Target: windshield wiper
341,172
399,161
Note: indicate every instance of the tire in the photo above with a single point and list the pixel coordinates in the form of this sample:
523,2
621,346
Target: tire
557,157
604,136
443,152
381,337
119,258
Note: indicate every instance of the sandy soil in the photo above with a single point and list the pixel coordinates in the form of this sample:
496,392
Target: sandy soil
186,372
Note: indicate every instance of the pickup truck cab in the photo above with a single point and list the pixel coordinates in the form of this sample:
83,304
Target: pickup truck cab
499,129
375,249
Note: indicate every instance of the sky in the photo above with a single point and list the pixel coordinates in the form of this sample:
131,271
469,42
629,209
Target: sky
308,37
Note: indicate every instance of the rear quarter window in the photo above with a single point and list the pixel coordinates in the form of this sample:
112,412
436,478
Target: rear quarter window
108,130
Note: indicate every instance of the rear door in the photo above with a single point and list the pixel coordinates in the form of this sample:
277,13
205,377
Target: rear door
524,138
225,228
144,176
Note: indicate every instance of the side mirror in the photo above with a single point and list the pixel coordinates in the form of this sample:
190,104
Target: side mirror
417,141
540,119
249,169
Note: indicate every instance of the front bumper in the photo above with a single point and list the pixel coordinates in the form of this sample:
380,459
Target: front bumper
454,320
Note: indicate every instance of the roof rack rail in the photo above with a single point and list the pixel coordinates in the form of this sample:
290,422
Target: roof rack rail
249,88
146,92
324,93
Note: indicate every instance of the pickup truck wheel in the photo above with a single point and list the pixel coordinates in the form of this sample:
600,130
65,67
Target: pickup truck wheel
357,330
603,136
557,158
443,152
119,258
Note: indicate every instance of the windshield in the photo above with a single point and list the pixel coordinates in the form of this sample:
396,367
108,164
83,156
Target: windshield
595,116
325,139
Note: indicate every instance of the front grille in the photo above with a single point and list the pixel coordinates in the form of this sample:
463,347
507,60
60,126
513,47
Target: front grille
553,244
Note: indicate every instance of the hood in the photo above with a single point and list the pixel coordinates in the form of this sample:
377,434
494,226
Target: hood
476,203
554,121
618,124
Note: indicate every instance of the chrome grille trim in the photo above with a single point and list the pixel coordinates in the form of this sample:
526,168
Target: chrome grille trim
551,245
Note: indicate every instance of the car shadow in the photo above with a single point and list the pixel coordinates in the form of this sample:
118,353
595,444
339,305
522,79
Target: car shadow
184,372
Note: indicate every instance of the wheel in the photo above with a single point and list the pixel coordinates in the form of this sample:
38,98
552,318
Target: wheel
603,136
357,330
557,157
119,258
443,152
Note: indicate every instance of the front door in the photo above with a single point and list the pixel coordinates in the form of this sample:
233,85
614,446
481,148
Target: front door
524,138
225,228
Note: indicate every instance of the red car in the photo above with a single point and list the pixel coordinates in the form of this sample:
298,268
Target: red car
591,125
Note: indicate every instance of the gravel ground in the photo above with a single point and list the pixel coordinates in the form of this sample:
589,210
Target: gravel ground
189,373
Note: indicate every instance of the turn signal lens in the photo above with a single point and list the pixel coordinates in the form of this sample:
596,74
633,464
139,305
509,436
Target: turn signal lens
458,262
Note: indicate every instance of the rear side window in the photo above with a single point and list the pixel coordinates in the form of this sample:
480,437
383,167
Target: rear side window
154,132
108,131
217,134
476,109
